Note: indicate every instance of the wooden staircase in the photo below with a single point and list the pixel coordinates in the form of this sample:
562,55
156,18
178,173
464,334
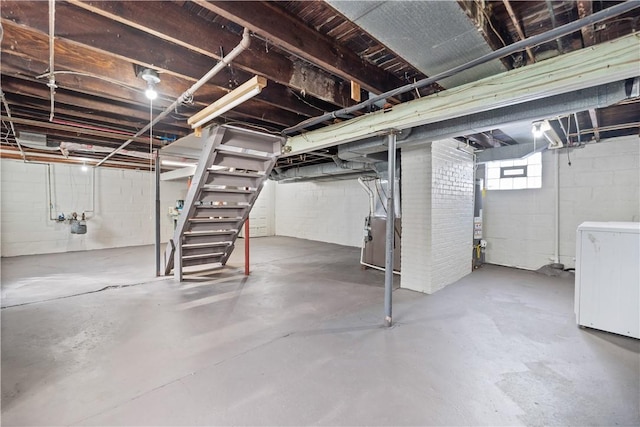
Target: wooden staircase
229,176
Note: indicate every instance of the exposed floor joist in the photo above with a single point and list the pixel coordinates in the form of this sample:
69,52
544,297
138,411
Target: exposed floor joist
283,30
186,31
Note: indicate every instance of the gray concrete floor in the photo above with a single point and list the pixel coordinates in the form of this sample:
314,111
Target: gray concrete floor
299,342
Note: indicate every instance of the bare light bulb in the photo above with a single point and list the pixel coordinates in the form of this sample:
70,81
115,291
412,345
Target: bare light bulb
539,128
151,93
84,168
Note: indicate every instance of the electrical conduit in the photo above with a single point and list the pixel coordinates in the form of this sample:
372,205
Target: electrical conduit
241,47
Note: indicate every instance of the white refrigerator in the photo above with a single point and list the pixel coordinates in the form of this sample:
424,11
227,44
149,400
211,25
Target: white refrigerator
607,294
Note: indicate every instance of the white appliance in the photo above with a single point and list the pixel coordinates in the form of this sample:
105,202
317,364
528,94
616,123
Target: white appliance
608,277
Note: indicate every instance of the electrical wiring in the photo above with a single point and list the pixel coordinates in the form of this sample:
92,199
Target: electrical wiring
304,101
251,125
94,76
484,12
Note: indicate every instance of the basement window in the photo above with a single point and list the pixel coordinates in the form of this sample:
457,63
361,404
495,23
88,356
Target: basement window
515,174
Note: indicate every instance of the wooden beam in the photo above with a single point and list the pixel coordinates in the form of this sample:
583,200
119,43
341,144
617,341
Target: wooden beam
86,29
603,63
93,105
38,109
73,129
209,38
294,36
32,45
237,95
13,153
518,28
266,115
23,67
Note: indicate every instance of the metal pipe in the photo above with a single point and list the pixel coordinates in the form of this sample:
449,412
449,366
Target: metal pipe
497,54
51,217
566,134
65,147
188,94
369,192
391,218
575,116
556,251
246,247
52,78
157,248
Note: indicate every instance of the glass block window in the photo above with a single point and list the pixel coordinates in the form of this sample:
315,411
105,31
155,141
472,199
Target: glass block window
516,174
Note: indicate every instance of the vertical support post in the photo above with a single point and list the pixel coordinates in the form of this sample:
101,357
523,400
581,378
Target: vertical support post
157,165
177,259
246,247
391,219
556,247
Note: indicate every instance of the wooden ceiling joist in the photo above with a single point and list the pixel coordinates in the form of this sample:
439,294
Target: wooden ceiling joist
125,46
287,32
208,39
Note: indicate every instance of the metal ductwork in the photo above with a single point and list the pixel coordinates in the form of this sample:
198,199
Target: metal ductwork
325,170
582,100
369,150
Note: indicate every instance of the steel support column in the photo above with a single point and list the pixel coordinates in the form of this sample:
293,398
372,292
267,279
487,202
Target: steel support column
157,248
391,218
246,247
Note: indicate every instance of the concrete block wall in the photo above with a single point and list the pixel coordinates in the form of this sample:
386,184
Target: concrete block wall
262,222
452,213
124,203
437,215
415,182
262,216
329,211
602,184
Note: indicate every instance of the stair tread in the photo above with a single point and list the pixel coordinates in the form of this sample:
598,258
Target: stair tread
222,206
204,245
244,152
200,256
209,233
226,190
238,174
226,193
225,219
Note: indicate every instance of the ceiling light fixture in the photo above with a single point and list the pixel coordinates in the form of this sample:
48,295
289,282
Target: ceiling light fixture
151,77
245,91
539,128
